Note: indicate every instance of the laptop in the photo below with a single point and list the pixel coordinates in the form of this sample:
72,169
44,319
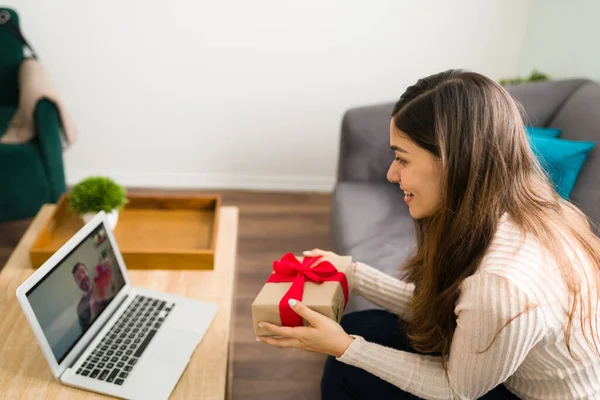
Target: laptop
99,332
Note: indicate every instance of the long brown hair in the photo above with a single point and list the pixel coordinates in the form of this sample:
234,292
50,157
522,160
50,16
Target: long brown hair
476,131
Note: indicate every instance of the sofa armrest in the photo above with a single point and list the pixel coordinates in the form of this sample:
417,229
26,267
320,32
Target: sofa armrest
365,153
48,136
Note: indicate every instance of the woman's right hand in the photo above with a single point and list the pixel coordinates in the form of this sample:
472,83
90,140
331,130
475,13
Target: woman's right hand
325,253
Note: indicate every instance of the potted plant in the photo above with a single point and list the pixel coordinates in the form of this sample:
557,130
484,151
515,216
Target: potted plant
95,194
535,76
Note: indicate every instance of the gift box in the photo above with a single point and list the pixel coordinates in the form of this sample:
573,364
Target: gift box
102,279
321,283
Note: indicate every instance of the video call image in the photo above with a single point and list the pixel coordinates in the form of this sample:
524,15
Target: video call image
75,293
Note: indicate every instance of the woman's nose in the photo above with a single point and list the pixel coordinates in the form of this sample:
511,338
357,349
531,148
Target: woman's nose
392,174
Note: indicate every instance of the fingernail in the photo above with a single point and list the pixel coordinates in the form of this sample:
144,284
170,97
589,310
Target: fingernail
257,339
260,325
292,302
306,252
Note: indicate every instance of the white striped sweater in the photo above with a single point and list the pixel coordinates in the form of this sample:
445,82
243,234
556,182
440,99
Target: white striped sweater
530,355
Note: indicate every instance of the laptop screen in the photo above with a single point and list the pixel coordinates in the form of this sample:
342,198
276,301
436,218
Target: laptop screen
74,293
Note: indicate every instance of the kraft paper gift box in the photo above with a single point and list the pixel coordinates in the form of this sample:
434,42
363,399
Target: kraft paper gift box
326,298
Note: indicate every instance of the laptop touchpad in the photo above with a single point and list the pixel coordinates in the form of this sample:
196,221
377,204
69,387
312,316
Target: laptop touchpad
170,343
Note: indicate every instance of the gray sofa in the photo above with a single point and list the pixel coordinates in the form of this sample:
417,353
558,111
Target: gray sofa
370,220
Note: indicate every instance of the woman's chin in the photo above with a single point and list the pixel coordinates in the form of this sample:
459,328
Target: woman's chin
416,213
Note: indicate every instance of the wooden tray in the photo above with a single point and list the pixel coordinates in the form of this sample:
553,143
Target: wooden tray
153,232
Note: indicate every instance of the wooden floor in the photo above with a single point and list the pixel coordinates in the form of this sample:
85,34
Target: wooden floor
270,225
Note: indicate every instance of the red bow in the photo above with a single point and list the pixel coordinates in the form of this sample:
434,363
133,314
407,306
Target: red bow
289,269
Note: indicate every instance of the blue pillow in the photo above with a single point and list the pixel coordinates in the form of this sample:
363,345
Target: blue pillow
562,159
546,132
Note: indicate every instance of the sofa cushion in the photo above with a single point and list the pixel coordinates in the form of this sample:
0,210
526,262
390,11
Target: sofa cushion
371,222
541,100
365,153
546,132
579,119
562,159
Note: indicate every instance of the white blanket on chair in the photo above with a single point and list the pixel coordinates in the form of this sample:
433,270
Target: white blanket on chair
35,85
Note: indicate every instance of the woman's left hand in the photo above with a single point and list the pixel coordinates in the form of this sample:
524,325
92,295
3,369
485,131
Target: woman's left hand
323,335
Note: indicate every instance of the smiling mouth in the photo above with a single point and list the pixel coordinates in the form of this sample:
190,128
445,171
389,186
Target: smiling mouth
408,194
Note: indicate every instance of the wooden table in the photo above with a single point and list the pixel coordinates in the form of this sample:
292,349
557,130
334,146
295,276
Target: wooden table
24,372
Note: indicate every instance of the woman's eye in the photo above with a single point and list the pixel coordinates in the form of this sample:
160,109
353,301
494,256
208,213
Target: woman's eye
400,161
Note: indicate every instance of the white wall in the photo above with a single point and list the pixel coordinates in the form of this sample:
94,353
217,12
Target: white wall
563,39
247,94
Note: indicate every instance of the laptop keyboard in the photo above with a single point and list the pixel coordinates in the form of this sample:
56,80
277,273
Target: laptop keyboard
115,356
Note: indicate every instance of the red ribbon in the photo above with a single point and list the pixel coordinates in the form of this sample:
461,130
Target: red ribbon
290,269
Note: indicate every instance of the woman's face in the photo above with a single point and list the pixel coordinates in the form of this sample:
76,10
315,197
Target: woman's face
417,172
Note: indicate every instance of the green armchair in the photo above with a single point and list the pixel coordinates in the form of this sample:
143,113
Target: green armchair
31,173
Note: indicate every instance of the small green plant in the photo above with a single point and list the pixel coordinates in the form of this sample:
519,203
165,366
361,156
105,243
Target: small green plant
535,76
95,194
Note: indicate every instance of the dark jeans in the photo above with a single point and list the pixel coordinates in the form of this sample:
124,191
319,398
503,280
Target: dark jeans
344,382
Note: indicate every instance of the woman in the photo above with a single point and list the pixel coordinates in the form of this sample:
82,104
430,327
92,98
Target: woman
501,298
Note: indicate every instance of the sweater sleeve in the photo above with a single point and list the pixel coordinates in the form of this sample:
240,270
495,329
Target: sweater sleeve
478,360
382,289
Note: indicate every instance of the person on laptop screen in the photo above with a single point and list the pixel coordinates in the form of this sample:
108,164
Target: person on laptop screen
97,294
